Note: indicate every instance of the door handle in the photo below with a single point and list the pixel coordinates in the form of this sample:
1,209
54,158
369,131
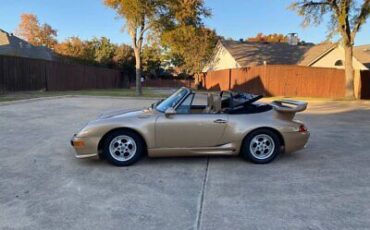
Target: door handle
220,121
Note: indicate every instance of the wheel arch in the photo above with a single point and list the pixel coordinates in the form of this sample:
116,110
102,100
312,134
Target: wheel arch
102,140
280,136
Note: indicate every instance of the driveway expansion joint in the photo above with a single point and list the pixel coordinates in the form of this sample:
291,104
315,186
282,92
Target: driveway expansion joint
202,197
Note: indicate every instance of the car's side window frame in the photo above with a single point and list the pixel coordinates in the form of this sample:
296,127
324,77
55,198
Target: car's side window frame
192,94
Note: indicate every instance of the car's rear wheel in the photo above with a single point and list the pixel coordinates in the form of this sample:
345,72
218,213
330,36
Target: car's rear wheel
261,146
123,148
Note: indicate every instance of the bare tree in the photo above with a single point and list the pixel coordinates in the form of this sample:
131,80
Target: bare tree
347,18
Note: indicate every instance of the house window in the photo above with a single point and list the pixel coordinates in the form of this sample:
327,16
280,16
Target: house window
339,63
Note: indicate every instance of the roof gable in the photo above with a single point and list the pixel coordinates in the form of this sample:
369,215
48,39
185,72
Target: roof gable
316,52
362,54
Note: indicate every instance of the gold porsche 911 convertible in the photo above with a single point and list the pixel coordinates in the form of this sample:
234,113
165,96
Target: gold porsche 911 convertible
231,123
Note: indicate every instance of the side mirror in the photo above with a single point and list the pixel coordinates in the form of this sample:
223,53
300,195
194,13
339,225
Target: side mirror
156,103
170,111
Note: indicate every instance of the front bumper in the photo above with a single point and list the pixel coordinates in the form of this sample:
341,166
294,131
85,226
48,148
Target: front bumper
85,147
295,140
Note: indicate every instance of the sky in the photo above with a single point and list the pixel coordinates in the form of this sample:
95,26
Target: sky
230,18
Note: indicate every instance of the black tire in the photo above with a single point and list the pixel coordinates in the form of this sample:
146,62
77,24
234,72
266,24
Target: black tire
259,156
117,158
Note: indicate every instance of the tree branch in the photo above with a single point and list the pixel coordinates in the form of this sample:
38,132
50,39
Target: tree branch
334,5
132,32
312,3
360,20
144,28
342,13
141,33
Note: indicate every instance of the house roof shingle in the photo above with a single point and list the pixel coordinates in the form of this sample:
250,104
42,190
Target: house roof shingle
251,54
14,46
316,52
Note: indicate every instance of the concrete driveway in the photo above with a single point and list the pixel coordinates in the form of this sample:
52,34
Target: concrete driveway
42,185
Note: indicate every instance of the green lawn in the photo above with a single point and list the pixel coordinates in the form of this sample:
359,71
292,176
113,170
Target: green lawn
147,92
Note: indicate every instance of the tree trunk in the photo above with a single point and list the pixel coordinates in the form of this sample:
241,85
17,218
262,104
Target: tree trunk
348,53
138,71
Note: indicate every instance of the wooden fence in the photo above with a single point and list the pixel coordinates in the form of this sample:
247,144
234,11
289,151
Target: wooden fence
21,74
280,80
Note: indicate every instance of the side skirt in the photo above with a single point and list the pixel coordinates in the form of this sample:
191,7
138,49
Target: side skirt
226,149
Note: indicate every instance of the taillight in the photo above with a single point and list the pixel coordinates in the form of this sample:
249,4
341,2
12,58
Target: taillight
302,128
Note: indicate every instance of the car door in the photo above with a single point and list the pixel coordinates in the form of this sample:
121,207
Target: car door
190,130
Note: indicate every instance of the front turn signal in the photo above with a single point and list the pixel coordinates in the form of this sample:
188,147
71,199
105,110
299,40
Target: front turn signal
78,144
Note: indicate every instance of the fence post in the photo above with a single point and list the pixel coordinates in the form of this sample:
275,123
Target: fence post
229,79
204,80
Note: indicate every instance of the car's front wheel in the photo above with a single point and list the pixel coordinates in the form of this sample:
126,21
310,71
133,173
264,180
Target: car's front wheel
123,148
261,146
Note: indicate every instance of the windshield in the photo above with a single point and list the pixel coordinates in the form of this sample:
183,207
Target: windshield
172,100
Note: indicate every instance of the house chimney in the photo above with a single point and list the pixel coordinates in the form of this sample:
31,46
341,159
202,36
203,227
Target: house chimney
293,39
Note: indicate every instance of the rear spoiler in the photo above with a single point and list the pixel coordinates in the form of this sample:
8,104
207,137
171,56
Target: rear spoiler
288,108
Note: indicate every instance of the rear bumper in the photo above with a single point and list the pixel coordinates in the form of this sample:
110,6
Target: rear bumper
85,147
295,140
